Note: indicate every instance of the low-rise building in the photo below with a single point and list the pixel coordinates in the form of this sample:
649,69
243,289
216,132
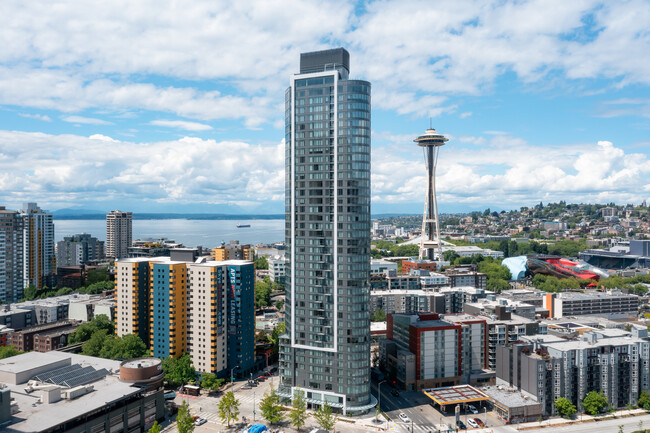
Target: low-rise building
578,304
77,393
420,264
613,361
43,338
378,266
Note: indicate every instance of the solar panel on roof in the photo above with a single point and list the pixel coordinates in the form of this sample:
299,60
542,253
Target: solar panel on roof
59,379
91,376
42,377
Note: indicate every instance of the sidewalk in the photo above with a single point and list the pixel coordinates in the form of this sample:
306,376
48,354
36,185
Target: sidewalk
557,422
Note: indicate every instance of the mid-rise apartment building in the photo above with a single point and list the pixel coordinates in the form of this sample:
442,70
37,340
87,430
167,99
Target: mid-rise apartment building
462,277
277,268
233,251
184,304
11,256
428,350
119,234
39,261
79,250
613,361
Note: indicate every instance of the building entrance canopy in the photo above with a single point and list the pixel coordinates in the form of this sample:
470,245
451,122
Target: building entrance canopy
461,394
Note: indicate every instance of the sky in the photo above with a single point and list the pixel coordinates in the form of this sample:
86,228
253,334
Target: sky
158,106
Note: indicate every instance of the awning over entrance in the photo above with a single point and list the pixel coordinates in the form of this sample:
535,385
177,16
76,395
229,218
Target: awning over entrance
461,394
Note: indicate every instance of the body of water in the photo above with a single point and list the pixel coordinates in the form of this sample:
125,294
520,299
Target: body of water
207,233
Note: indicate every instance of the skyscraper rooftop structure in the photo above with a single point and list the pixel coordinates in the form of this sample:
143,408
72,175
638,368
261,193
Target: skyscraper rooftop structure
430,244
326,349
119,234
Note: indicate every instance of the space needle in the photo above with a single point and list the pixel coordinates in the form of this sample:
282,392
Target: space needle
430,243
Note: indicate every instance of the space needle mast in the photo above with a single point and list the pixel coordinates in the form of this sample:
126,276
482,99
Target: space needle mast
430,243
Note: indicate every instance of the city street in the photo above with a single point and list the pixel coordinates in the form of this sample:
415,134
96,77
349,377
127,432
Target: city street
423,415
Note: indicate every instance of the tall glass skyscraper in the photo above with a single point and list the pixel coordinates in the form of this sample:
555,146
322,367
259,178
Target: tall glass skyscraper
326,349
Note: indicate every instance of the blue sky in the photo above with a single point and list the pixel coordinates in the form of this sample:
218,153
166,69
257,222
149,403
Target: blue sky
155,106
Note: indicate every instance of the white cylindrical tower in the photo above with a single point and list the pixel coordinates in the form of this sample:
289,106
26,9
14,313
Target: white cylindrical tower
430,245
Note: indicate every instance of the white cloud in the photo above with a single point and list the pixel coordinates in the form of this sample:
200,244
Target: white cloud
189,170
181,124
465,115
43,117
90,54
85,120
506,171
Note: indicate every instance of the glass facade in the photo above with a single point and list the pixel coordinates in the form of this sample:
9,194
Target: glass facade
326,348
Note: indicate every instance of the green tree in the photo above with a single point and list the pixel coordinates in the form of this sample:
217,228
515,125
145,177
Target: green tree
378,316
271,408
228,408
211,382
298,414
96,276
95,343
184,419
8,351
565,408
279,329
594,402
178,371
261,263
86,330
155,428
644,400
262,293
127,347
279,304
325,418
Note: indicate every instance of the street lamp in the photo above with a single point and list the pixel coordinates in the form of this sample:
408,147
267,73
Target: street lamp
379,396
253,399
231,376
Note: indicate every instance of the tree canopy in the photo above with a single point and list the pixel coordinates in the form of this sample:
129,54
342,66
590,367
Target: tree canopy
107,346
8,351
211,382
271,408
228,408
178,371
261,263
86,330
565,408
184,419
594,402
325,418
298,414
378,316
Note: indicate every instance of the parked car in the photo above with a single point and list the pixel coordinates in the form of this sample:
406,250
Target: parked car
394,393
200,421
403,417
461,425
472,423
472,409
479,421
170,395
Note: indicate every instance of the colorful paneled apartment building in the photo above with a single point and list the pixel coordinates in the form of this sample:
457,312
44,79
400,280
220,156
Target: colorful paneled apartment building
188,305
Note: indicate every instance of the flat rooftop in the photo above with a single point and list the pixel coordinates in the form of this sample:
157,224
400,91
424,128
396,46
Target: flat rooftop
31,417
507,398
455,394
